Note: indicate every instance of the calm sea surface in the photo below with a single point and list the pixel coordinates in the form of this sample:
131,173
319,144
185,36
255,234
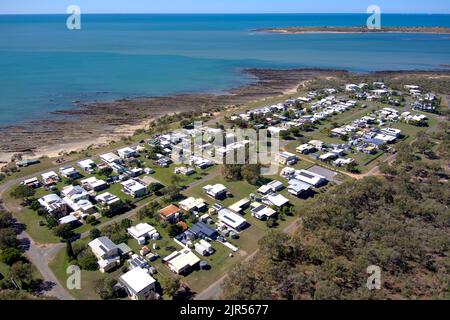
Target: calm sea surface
45,67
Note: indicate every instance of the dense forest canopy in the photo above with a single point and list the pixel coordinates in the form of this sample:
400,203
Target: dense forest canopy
398,221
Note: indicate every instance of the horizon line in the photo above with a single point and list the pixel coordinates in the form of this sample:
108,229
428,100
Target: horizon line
221,13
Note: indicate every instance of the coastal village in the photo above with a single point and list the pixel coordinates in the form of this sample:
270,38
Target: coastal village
139,218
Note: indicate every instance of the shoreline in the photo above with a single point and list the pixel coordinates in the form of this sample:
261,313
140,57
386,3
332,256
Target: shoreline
355,30
97,124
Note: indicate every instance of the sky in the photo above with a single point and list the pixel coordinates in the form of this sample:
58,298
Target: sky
223,6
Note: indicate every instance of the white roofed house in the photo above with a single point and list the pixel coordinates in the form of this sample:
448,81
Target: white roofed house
87,165
70,172
50,178
276,200
299,188
77,199
138,283
305,148
32,183
217,191
107,199
192,204
232,220
287,158
311,178
240,206
142,231
134,188
94,184
54,205
127,152
110,158
181,262
261,211
106,252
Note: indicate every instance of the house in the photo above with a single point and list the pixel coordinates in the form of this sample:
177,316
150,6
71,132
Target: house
54,205
192,204
127,152
170,213
343,162
94,184
276,200
70,220
87,165
240,206
138,283
26,162
272,186
391,132
180,262
110,158
106,252
107,199
50,178
305,148
287,158
32,183
187,171
202,230
299,188
69,172
217,191
204,248
231,219
77,199
137,261
317,144
136,172
328,156
142,231
311,178
261,211
134,188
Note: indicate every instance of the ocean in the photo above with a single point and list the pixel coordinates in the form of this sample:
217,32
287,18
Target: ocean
46,67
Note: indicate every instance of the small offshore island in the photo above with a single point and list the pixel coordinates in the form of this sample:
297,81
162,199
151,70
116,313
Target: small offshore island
361,29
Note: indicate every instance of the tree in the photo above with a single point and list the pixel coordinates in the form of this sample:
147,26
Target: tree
87,260
251,173
94,233
175,180
6,219
69,250
232,172
105,172
275,245
63,231
285,135
171,286
174,230
91,219
22,191
8,238
126,223
10,256
172,192
105,288
22,272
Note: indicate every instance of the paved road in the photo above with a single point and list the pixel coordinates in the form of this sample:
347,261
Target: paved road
39,254
214,290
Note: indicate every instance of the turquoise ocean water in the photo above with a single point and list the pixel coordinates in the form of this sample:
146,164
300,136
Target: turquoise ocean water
45,67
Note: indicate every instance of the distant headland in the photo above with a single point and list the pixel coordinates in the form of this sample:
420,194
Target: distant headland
361,29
